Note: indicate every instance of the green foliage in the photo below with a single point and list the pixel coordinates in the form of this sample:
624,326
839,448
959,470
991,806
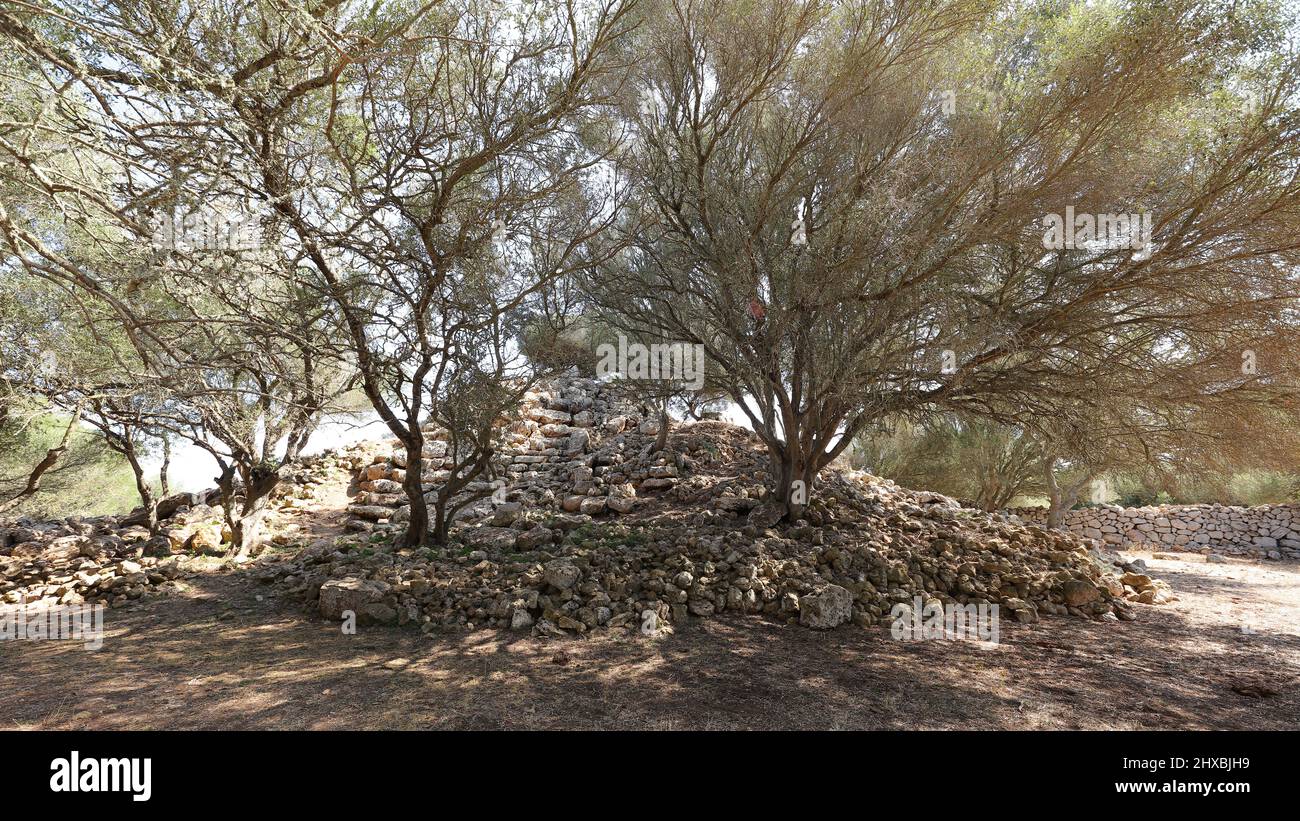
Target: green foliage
1263,487
974,460
89,480
1245,487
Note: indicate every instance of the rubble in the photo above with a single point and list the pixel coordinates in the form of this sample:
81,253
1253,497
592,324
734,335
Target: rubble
604,532
113,560
78,562
654,539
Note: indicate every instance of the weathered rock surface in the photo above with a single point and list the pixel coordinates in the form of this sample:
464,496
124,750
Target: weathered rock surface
360,597
830,607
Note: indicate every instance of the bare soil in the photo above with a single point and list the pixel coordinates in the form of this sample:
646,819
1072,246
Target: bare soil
224,653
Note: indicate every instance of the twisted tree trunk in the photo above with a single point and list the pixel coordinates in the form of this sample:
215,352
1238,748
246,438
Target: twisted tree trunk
52,457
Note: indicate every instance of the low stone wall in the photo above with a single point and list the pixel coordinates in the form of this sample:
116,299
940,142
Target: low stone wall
1266,531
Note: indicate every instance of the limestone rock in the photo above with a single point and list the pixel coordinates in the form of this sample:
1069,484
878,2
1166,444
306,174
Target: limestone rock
1078,593
830,607
533,538
561,574
354,594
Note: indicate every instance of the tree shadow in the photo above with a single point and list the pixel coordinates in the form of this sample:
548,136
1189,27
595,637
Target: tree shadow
217,658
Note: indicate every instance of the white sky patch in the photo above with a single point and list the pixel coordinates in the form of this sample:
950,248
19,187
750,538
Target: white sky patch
193,468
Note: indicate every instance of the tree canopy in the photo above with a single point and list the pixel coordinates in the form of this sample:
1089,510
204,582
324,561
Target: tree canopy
1029,220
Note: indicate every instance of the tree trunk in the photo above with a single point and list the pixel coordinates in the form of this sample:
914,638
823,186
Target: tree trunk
150,510
51,458
166,465
466,469
441,523
245,525
147,500
226,484
989,496
1054,511
417,527
1059,500
246,529
661,442
795,477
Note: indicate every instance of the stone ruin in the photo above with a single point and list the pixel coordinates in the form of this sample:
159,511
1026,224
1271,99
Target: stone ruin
591,528
588,527
565,451
113,560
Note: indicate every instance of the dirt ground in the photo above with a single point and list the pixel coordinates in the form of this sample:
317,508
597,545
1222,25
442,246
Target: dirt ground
227,654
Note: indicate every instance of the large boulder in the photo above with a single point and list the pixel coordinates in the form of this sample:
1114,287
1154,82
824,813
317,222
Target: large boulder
373,513
1077,593
520,619
572,504
205,540
830,607
561,574
66,548
622,498
578,441
505,514
364,597
534,538
26,550
592,505
170,506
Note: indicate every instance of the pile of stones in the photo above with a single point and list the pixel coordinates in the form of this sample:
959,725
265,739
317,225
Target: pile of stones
602,531
112,560
76,562
591,527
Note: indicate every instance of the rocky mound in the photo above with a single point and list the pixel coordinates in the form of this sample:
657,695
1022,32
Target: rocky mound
113,560
596,529
77,561
590,527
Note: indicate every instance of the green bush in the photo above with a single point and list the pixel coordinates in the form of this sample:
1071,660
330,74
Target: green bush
1247,488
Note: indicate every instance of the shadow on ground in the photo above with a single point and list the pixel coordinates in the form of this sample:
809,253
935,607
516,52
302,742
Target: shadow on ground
215,657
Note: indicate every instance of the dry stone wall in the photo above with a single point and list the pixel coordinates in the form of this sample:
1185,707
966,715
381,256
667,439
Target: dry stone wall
566,448
1266,531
